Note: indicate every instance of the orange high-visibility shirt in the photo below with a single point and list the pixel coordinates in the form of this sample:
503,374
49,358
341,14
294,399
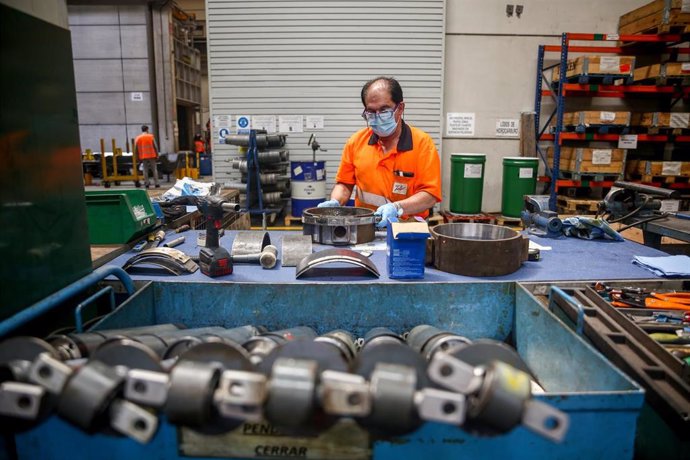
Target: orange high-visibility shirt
145,146
199,146
412,167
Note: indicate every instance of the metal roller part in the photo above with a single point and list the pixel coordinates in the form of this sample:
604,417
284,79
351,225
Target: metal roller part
201,410
87,395
282,187
484,351
263,141
249,243
311,359
396,373
159,343
427,340
339,225
291,393
125,354
18,353
190,394
295,248
260,346
498,398
343,341
478,249
231,337
379,335
80,345
307,266
393,388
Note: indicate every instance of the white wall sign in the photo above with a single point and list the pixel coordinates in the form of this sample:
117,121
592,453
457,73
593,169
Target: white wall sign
507,127
267,122
221,125
459,124
137,97
243,123
290,124
314,122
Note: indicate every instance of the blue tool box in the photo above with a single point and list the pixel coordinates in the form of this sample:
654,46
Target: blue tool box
603,404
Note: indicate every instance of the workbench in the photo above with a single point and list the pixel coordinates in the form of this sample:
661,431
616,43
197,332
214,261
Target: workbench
570,259
654,230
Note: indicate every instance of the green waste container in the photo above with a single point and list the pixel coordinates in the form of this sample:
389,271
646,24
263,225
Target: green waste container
118,216
519,179
466,182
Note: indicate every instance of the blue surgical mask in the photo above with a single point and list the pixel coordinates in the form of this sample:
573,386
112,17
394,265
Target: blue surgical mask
383,128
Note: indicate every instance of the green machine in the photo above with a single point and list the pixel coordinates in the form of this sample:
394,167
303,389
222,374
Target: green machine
43,232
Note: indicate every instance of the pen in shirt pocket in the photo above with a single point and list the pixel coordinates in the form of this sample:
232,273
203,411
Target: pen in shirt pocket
401,173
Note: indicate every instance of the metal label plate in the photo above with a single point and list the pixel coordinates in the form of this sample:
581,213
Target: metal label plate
343,441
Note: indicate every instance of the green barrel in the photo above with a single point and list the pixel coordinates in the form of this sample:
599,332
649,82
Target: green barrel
519,179
466,182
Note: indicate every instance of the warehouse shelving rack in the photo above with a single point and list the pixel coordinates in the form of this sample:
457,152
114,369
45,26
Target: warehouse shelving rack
255,194
631,44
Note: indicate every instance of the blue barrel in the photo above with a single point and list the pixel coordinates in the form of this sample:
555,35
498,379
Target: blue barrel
205,168
308,185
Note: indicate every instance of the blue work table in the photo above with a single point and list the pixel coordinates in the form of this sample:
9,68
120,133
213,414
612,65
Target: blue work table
570,259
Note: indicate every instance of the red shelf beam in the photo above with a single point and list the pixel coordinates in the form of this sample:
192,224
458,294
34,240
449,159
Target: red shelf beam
614,137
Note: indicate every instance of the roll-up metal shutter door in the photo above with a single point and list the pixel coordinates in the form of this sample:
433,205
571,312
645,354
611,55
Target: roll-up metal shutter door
312,58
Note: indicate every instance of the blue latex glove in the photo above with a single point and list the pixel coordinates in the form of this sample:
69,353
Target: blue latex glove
328,204
387,212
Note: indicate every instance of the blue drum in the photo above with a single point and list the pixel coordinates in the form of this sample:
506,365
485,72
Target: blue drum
308,185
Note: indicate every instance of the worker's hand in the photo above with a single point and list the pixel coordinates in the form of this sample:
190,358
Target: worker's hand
328,204
387,212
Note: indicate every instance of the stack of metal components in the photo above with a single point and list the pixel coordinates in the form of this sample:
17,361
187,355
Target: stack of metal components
273,173
213,379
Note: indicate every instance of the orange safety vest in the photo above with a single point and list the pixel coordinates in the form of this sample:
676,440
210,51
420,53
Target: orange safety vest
145,147
199,146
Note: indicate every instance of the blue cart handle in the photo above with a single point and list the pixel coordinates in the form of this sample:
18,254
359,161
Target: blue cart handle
63,294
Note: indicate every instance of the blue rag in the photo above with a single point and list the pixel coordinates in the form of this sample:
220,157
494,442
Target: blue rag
588,228
670,266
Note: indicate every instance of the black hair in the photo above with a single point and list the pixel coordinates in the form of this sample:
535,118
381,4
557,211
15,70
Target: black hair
392,84
144,128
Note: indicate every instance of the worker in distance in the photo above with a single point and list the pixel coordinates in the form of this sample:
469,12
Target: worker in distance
394,165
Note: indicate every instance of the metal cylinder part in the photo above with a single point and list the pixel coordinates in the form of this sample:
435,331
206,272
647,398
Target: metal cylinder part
86,396
80,345
339,225
427,340
478,249
260,346
262,140
342,340
380,335
190,393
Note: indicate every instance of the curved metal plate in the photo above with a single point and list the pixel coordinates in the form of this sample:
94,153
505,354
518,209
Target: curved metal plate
249,243
338,255
295,248
172,260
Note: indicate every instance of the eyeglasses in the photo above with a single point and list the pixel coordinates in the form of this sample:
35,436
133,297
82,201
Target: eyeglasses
383,115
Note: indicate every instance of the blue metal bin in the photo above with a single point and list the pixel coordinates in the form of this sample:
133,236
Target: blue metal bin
603,404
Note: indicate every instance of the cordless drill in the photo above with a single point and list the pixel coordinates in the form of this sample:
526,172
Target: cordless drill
213,259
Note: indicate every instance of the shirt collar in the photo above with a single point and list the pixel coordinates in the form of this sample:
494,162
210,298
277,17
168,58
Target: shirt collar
404,142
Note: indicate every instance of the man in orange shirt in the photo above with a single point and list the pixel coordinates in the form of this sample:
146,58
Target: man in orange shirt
395,166
147,152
